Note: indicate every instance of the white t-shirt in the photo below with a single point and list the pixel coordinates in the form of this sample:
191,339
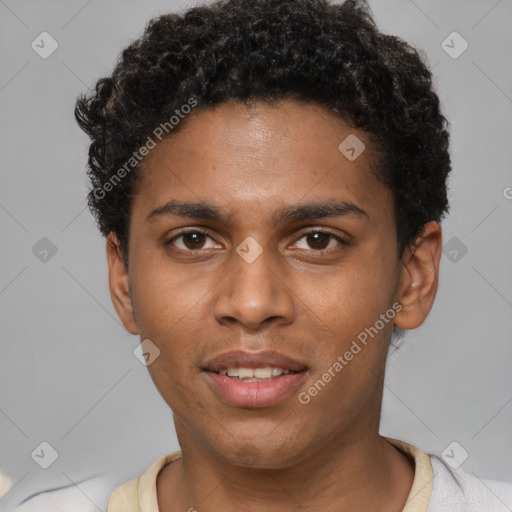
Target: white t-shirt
436,488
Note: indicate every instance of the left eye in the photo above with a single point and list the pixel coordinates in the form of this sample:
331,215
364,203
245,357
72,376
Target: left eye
320,240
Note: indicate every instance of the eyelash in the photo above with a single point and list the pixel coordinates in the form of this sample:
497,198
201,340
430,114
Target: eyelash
303,234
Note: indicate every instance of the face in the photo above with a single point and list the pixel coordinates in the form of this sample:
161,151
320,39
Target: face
256,243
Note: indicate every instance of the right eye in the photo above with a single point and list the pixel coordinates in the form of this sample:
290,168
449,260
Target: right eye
190,240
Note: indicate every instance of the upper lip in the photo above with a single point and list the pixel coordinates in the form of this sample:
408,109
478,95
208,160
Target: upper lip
241,359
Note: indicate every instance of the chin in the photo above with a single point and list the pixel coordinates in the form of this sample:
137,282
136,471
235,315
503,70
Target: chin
259,455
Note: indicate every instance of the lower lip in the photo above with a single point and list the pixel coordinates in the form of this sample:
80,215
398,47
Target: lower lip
254,394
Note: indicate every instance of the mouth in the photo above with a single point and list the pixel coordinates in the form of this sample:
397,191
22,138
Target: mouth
243,379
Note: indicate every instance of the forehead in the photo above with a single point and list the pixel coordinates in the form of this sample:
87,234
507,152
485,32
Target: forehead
242,156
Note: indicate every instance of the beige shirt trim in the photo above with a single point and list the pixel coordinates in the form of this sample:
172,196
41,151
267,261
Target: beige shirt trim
140,495
423,483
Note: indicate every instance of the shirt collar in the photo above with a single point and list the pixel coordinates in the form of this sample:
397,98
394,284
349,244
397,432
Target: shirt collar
417,501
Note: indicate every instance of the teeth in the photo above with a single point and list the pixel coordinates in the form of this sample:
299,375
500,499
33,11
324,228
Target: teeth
245,373
266,372
263,373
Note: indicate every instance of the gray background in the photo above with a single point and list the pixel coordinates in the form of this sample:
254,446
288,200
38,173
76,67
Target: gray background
68,375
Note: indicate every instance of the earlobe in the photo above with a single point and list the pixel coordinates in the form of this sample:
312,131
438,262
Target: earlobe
420,277
119,284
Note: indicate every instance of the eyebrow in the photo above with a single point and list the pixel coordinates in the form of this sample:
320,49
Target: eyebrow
202,210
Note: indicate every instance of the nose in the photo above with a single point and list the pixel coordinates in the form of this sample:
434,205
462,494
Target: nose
254,295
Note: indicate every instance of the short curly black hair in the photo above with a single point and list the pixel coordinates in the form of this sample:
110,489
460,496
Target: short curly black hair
269,50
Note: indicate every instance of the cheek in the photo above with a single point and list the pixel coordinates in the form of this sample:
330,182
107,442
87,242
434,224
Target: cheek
352,355
166,299
348,300
169,311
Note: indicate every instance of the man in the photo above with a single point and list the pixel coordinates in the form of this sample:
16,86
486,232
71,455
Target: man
270,177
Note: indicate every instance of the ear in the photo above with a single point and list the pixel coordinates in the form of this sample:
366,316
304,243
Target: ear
420,277
119,284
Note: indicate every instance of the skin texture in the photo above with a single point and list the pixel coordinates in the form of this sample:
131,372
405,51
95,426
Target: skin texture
307,297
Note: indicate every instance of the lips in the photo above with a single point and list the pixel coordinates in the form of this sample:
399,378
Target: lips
249,391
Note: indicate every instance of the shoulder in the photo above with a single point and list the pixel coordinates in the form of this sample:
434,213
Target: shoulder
461,491
140,493
86,496
96,494
124,498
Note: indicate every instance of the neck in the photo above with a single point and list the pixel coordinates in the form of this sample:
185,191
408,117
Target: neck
365,473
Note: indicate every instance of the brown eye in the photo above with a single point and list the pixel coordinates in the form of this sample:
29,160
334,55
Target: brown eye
193,240
318,240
